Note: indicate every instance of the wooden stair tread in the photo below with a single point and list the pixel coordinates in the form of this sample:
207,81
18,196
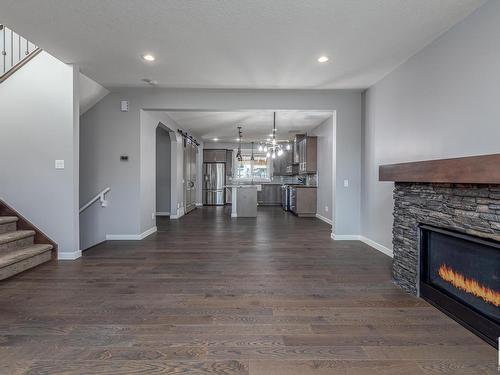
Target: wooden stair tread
16,235
14,256
8,219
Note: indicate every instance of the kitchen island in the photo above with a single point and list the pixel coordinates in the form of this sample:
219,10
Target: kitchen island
244,200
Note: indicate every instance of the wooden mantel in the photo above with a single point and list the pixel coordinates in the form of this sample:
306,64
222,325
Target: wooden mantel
483,169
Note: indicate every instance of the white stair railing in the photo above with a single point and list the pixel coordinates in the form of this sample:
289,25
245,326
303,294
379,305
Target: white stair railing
15,51
99,197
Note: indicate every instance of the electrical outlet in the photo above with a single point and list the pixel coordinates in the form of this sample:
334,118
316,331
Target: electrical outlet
346,183
153,215
326,208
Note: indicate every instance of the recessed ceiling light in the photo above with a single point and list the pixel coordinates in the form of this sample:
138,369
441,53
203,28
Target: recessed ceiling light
216,139
323,59
148,57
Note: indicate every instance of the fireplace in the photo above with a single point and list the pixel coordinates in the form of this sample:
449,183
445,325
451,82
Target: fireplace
460,274
446,236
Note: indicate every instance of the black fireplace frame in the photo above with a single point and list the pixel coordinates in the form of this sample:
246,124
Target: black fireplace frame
480,324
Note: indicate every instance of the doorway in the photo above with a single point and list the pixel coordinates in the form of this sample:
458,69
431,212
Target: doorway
163,172
190,152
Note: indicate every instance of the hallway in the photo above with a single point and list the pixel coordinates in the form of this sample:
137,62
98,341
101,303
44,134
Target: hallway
208,294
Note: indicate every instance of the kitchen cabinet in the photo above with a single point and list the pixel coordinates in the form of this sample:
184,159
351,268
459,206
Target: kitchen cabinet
214,156
283,165
303,200
296,141
280,164
270,195
229,163
277,166
307,149
291,169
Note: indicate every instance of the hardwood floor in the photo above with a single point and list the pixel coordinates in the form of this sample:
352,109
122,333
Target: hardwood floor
209,294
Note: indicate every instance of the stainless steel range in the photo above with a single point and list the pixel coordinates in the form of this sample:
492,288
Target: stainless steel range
285,197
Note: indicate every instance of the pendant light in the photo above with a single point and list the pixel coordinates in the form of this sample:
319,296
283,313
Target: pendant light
252,158
238,154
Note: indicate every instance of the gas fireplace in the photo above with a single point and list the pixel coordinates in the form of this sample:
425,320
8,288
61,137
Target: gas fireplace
446,236
460,274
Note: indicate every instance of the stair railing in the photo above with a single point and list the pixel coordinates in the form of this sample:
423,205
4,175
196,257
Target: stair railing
15,51
99,197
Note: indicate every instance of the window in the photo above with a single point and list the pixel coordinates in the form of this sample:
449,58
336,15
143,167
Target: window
257,169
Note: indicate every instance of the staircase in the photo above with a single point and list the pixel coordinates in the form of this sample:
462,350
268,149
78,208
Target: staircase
15,51
20,247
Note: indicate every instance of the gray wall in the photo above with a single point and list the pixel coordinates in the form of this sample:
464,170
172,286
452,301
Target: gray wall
162,170
39,124
325,132
112,133
443,102
149,121
104,137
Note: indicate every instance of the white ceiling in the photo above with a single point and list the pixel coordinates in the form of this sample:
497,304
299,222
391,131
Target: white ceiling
256,125
235,43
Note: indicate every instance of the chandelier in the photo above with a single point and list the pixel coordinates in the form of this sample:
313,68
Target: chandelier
271,146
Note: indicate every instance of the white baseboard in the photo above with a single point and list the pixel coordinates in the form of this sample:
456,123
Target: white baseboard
162,214
180,213
69,255
371,243
346,237
131,237
377,246
149,232
325,219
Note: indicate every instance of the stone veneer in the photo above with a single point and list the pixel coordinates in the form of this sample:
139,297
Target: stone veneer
471,209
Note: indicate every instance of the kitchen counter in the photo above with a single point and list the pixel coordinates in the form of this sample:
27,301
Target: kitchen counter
244,186
244,200
301,186
303,200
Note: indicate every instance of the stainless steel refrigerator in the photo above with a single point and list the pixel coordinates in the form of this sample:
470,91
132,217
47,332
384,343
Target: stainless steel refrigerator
214,177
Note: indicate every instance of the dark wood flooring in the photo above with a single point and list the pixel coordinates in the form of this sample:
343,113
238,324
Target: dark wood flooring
209,294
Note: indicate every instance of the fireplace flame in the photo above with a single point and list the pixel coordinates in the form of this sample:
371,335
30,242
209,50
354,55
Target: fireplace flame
469,285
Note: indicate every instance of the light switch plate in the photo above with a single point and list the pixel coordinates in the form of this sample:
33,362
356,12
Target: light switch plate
59,164
346,183
124,106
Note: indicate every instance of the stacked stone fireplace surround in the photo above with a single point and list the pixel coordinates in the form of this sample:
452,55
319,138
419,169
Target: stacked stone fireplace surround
473,209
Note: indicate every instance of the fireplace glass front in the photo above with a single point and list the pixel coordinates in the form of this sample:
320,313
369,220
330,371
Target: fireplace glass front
460,274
